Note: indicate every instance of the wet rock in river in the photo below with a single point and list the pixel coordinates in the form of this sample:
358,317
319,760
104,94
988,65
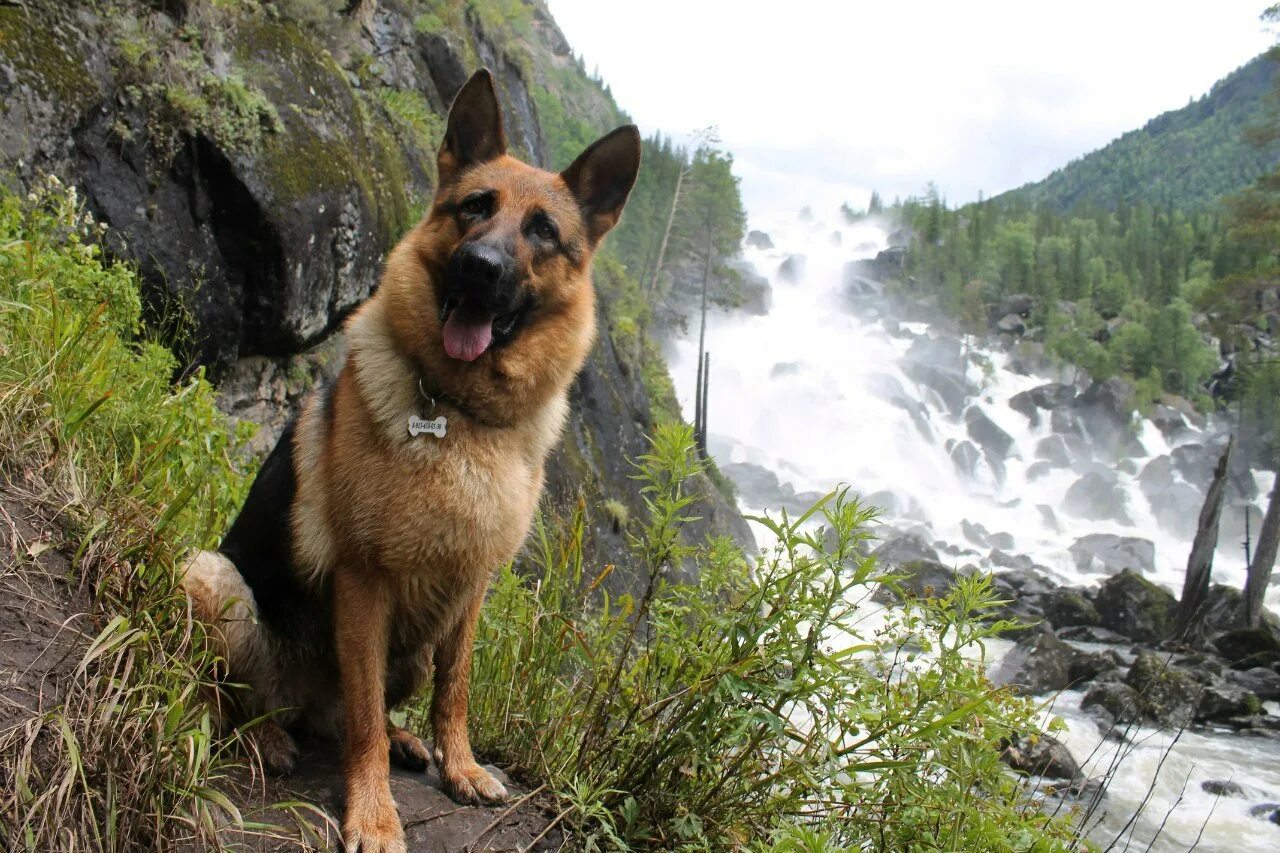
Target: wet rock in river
1067,606
1040,663
1042,755
899,548
791,270
759,239
1260,681
919,578
1106,553
1098,496
1117,699
993,440
1165,694
966,456
1133,606
1222,788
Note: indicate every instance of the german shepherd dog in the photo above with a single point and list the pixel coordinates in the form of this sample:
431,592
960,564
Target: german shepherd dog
364,549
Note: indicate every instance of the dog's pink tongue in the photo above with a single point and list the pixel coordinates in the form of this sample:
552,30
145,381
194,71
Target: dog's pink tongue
466,338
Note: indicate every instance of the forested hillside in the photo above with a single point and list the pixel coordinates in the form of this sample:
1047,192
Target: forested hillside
1150,259
1186,158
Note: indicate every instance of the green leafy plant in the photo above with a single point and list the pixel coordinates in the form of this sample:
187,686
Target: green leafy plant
757,702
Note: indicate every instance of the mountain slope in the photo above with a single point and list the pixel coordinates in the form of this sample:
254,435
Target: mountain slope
1187,158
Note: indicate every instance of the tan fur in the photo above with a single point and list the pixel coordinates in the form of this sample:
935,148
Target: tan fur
407,531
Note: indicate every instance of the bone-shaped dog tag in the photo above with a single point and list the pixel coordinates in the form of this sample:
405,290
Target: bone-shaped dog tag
435,426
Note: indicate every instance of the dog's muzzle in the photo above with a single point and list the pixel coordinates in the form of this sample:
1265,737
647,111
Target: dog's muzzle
484,303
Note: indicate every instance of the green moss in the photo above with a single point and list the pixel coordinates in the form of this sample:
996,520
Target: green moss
42,57
330,139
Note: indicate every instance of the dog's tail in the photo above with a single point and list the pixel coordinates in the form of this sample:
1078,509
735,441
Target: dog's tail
220,598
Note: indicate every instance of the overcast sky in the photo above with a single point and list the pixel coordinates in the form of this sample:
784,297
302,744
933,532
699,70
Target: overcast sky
822,101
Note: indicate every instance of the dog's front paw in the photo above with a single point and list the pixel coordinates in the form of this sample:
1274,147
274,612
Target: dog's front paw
373,828
471,784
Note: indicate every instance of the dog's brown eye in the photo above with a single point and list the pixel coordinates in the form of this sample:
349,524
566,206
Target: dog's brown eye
477,206
544,229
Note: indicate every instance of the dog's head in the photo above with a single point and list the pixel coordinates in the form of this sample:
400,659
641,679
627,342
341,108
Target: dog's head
508,246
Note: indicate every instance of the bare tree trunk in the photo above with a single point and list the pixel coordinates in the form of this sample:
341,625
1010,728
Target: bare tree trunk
702,344
706,390
1195,587
666,233
1264,559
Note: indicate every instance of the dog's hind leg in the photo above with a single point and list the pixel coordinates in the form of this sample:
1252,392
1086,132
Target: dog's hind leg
408,752
221,599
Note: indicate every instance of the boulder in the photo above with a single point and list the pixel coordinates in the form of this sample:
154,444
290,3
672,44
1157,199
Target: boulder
1056,450
917,578
935,349
1066,422
1041,755
1260,681
975,533
1018,304
1168,420
949,384
1266,811
1220,700
965,456
1010,561
1113,399
1175,503
1106,553
1134,607
1011,324
901,548
1069,606
1222,788
1036,470
993,440
1242,644
1165,694
1048,517
1087,666
759,240
1118,699
1092,634
1040,663
791,270
1098,496
1051,396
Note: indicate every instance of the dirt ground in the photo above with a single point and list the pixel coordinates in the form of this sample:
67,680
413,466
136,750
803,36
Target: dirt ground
433,823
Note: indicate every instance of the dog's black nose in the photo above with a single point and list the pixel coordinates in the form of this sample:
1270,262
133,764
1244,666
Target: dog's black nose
482,275
481,263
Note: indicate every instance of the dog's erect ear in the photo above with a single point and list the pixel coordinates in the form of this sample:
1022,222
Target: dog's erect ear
602,177
474,133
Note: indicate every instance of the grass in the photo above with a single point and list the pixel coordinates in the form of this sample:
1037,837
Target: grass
138,471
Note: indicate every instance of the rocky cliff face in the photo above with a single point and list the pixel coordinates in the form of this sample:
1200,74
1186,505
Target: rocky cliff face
258,162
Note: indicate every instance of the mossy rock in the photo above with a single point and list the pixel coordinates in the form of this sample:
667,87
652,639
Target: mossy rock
1129,604
1165,694
1066,606
44,56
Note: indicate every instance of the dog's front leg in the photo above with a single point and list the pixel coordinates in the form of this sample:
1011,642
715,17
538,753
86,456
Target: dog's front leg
464,779
362,616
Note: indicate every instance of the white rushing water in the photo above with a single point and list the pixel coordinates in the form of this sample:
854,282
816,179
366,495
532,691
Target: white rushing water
822,395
